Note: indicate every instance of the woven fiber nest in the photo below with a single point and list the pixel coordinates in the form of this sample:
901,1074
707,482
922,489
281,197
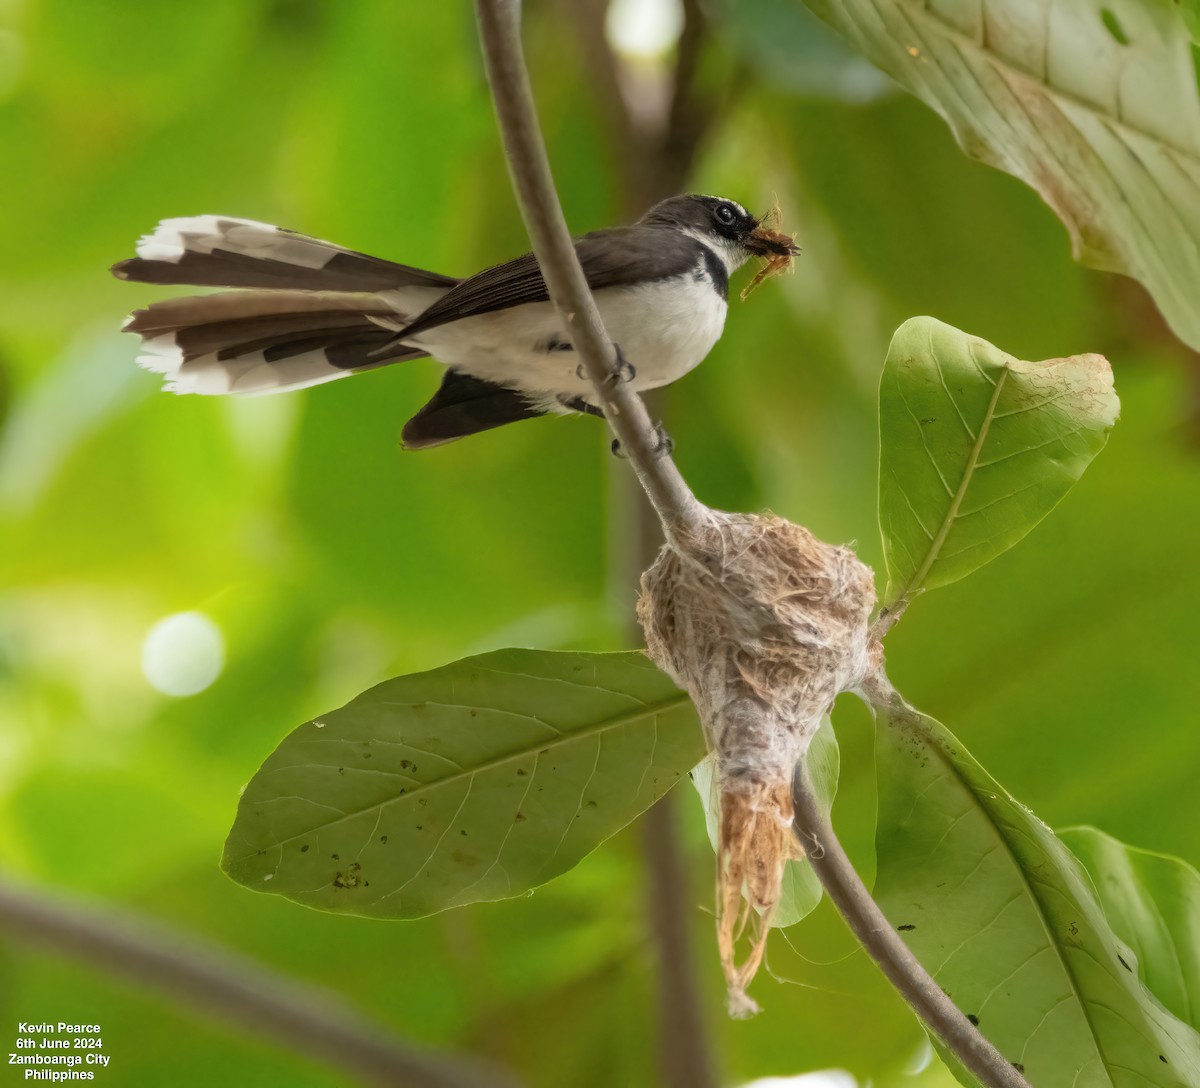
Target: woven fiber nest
763,625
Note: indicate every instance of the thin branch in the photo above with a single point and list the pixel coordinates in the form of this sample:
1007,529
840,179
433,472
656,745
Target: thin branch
301,1018
852,899
682,1038
679,510
886,620
689,115
653,165
500,32
653,152
684,1050
632,152
685,1058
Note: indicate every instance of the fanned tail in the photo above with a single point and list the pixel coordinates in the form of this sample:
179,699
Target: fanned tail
310,311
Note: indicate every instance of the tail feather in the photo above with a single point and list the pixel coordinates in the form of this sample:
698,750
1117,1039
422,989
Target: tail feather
176,313
255,374
219,251
202,326
308,311
272,366
252,342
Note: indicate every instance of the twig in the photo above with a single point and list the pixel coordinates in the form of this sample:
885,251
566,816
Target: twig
500,32
684,1051
852,899
652,165
679,510
303,1019
653,152
689,115
629,145
886,620
683,1054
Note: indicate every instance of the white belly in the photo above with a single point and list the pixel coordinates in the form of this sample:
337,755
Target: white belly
665,329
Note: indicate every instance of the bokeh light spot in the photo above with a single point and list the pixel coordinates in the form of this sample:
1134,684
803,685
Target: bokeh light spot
183,654
644,27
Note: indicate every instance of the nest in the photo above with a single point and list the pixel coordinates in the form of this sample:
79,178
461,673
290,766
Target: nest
763,625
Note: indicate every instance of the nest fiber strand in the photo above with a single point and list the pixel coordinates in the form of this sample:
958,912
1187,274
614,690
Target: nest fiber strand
763,625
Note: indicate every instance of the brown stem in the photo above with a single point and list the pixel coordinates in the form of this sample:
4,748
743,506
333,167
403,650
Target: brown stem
685,1055
500,32
653,155
300,1018
849,894
679,511
631,151
690,114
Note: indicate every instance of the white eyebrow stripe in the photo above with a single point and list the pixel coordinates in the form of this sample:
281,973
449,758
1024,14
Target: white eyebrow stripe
726,200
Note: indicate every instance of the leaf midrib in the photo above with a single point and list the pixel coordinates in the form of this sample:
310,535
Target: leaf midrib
939,539
948,762
615,722
967,43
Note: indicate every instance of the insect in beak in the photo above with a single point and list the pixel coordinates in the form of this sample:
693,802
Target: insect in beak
777,249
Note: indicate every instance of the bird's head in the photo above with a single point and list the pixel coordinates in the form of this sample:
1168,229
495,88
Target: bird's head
724,225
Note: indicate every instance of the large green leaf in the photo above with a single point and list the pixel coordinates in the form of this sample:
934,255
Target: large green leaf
1091,102
976,447
1152,901
800,891
476,781
1008,922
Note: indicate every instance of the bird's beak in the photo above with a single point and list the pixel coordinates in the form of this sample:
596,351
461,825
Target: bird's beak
764,242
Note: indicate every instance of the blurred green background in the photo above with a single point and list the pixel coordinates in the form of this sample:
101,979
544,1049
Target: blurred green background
328,560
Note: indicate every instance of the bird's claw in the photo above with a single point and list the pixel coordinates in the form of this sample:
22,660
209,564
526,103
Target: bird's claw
623,370
666,444
664,447
579,404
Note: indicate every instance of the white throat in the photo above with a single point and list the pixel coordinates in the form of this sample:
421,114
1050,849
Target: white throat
727,251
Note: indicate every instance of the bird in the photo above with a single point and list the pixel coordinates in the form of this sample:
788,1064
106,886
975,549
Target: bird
303,311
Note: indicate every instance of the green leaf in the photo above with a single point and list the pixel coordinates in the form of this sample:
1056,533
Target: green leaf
1091,102
976,447
1008,923
1152,901
801,891
1190,11
476,781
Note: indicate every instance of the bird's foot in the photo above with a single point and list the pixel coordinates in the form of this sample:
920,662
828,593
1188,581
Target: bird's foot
578,404
664,444
623,371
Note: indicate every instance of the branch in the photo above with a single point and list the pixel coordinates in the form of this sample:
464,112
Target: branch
653,152
852,899
684,1049
684,517
633,153
303,1019
500,32
676,506
689,115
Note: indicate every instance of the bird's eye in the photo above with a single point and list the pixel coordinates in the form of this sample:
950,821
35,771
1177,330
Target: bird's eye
726,214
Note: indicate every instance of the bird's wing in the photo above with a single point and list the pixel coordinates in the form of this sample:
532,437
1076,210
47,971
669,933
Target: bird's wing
465,405
610,258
